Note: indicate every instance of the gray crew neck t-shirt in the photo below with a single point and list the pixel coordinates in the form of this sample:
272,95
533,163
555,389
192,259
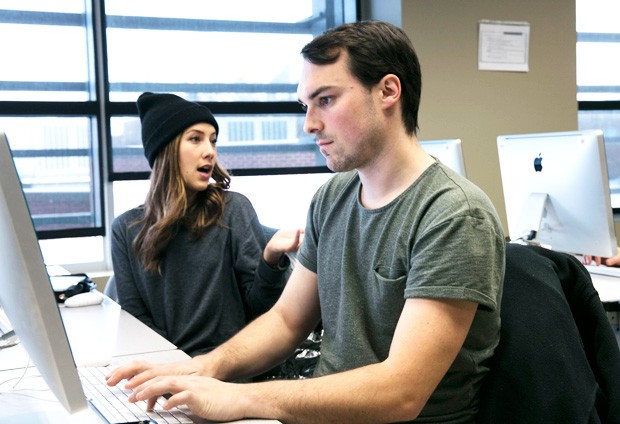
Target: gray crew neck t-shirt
441,238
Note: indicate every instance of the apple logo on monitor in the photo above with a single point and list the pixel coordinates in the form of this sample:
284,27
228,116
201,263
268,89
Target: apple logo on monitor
538,163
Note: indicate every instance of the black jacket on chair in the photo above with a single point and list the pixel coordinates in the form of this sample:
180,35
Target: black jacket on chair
558,359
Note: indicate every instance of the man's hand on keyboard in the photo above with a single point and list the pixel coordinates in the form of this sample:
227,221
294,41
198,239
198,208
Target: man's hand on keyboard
139,372
204,396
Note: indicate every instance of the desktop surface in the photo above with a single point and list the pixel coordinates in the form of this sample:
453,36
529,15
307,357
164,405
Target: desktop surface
31,402
607,286
606,281
26,398
96,335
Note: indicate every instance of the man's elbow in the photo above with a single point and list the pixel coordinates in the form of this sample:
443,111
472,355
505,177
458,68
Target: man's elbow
409,410
407,406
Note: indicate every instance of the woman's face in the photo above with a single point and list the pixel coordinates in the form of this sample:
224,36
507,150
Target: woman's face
197,156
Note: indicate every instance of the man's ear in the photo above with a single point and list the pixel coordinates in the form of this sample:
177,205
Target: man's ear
390,90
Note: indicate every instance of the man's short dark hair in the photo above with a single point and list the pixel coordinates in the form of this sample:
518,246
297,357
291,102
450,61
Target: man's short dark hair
375,49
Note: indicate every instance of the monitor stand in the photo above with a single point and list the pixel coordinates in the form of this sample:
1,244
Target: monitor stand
538,215
8,338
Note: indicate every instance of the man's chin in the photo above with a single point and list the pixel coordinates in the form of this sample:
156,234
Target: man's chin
338,167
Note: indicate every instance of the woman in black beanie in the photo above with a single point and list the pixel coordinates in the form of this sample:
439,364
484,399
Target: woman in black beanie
192,262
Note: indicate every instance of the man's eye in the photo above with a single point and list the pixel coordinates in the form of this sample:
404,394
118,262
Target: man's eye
304,107
325,101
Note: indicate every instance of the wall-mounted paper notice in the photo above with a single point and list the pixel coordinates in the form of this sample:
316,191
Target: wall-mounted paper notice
503,46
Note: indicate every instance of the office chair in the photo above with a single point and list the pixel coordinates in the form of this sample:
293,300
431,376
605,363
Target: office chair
558,360
110,289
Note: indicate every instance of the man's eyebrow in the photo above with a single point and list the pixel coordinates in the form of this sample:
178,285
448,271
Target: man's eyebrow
315,93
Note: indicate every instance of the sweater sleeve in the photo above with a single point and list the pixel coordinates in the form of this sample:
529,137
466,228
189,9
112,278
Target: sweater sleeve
123,261
259,284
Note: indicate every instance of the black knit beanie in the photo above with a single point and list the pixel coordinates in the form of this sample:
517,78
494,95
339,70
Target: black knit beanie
165,116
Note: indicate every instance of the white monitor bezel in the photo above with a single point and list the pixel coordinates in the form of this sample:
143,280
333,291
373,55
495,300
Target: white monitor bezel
449,152
26,294
577,185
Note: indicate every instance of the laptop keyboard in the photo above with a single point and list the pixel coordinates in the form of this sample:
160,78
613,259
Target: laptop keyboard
112,403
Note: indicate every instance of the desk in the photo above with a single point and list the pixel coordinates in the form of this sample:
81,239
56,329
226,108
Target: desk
129,336
24,396
608,287
97,334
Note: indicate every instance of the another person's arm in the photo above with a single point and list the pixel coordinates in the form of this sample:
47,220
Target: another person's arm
613,261
260,274
128,295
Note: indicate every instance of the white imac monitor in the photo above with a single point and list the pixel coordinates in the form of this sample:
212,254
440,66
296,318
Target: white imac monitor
448,151
556,191
26,294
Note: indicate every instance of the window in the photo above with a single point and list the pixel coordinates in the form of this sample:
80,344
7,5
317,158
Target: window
47,113
240,57
71,71
598,79
58,165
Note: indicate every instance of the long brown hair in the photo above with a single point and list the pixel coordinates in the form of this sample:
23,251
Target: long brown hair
167,207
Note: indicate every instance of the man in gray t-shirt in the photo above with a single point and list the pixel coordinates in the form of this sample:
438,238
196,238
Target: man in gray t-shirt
402,260
369,261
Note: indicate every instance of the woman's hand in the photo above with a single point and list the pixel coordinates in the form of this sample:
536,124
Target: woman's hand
283,241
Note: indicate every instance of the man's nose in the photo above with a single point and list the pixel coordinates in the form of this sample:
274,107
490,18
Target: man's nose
311,123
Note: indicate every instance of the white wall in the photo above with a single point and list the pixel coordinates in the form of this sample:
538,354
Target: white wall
281,201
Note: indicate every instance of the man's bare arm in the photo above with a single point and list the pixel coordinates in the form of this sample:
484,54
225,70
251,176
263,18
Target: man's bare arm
268,339
428,337
272,337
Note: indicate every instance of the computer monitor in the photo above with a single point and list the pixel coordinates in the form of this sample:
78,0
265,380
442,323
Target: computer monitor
556,191
448,151
26,293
